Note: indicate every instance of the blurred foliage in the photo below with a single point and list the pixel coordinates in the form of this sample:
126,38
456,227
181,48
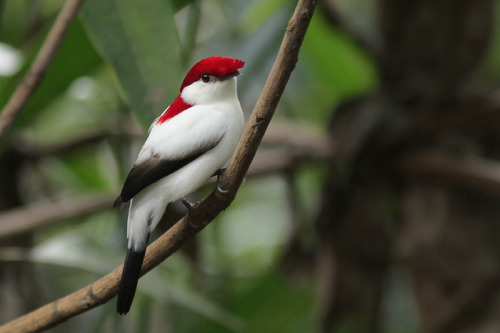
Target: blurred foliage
125,60
140,41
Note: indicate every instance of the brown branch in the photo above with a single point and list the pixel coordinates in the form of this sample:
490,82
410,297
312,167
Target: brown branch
34,151
22,220
33,77
470,173
105,288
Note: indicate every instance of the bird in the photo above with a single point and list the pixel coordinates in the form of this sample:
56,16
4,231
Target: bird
190,142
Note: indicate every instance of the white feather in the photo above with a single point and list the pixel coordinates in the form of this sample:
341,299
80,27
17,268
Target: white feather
216,113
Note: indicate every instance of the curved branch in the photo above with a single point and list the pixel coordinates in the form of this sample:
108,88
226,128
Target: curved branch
106,288
34,76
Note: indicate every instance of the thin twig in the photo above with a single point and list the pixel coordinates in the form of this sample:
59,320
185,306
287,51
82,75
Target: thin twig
33,77
105,288
34,151
22,220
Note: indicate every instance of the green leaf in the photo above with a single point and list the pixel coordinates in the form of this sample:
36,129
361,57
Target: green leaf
140,40
338,65
180,4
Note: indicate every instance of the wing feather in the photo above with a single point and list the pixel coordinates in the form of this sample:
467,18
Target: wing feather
154,168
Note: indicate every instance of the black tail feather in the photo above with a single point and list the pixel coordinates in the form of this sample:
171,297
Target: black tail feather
130,277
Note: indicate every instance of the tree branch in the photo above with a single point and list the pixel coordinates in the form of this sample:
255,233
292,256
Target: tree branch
105,288
22,220
34,76
471,173
34,151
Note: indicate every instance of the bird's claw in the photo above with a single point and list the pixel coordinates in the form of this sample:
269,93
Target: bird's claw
190,206
221,190
219,174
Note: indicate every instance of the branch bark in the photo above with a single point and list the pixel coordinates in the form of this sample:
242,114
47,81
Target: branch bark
472,173
22,220
105,288
34,76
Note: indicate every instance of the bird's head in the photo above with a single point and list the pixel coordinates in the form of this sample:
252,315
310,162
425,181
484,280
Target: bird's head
210,80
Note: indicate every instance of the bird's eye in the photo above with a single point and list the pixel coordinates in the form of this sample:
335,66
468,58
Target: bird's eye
205,78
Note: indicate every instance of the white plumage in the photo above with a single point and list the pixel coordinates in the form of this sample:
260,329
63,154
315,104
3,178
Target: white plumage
215,119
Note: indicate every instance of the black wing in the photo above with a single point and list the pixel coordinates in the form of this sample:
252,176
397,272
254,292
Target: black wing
153,169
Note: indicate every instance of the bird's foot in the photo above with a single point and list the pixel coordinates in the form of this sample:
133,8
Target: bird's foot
219,174
190,207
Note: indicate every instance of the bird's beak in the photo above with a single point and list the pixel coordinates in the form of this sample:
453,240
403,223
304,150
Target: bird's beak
230,75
